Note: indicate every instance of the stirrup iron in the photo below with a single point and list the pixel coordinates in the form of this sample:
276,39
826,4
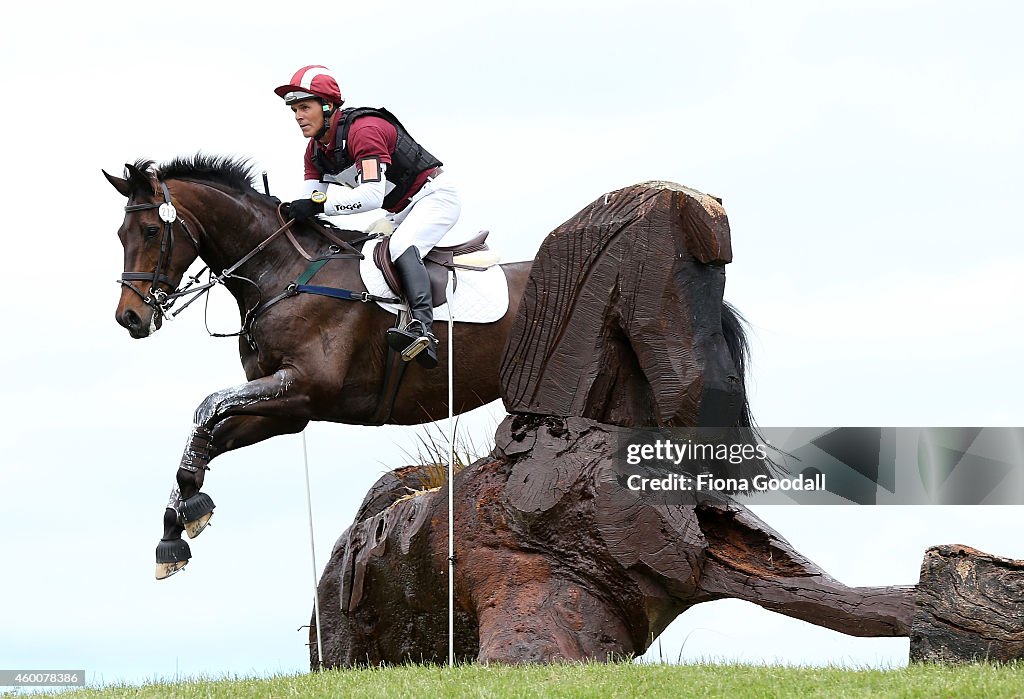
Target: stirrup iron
417,346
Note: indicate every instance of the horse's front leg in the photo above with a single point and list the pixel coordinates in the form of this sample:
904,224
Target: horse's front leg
225,420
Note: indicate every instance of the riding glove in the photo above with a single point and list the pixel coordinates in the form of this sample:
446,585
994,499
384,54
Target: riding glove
304,209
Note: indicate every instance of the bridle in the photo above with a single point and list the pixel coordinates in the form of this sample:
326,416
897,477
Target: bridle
161,301
156,298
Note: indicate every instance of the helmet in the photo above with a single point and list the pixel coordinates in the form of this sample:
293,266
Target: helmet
311,82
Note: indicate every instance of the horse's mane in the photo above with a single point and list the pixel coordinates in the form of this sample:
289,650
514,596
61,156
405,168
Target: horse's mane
231,172
234,174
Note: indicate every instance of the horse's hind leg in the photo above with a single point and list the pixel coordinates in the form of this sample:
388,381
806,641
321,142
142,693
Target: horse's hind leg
748,560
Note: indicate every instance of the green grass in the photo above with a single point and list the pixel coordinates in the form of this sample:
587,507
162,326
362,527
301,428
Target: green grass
602,680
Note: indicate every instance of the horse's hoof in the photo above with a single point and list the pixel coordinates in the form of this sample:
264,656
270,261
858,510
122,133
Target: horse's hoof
196,513
193,529
166,570
171,556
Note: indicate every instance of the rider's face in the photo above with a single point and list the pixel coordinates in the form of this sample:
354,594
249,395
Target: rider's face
309,115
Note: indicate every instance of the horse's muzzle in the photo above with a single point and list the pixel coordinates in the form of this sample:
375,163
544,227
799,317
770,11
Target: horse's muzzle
138,326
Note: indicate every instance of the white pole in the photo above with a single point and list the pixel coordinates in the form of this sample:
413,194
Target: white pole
312,549
451,479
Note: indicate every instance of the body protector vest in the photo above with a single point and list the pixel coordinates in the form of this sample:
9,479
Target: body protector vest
407,161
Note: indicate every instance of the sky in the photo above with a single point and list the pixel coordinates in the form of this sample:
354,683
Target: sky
867,153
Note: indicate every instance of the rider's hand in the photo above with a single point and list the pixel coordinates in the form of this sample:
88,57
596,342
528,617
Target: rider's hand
382,226
304,209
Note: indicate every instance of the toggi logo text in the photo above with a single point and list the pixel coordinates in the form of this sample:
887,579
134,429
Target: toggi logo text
348,207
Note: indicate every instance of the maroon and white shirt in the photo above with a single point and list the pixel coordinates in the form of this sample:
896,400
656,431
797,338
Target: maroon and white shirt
362,187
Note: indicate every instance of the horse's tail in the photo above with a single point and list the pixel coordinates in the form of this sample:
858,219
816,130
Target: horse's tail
745,429
734,329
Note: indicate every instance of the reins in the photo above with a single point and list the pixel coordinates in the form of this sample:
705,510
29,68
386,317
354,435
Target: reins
162,301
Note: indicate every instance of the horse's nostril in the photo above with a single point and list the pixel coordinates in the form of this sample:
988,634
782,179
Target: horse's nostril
131,319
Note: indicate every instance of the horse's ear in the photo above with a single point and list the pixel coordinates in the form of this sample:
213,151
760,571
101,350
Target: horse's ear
138,181
121,185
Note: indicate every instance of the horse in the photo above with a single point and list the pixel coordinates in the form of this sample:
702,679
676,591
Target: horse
311,358
305,357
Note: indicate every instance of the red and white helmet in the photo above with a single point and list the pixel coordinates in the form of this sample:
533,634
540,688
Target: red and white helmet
310,82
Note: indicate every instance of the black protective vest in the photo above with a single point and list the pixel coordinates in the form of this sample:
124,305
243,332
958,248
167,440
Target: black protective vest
407,160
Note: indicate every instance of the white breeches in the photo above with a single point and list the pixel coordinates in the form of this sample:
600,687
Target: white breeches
428,217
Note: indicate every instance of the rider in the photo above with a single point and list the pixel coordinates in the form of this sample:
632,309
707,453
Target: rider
365,159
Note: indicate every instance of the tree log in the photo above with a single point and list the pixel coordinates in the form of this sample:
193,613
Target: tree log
970,607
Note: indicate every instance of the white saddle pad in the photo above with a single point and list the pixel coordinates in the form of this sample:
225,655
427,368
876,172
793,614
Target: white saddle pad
479,297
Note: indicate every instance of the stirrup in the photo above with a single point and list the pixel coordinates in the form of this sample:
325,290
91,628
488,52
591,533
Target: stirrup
427,357
417,346
411,345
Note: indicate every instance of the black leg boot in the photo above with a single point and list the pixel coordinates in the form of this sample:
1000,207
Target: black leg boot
416,339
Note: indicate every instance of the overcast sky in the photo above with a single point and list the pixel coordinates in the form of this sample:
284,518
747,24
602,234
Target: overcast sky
868,155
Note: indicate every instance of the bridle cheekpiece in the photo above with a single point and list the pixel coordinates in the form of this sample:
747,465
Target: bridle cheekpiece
156,298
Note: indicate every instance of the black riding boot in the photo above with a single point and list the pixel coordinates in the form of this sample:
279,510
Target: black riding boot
415,339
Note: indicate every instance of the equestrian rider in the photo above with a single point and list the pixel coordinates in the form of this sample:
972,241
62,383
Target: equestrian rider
365,159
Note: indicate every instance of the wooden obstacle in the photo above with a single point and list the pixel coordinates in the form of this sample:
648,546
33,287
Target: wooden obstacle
623,326
969,607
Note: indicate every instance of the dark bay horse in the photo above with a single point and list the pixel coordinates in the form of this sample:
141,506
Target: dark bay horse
306,357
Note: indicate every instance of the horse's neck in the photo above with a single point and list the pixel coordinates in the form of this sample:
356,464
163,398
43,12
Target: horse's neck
232,226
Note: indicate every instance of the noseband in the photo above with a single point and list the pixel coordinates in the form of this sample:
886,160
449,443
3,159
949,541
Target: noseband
158,299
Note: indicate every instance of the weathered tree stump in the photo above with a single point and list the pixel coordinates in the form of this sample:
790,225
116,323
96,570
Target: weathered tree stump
970,607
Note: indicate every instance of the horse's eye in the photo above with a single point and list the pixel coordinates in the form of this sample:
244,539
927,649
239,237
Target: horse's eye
151,231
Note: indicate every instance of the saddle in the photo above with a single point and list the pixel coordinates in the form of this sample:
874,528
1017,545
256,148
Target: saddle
438,263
